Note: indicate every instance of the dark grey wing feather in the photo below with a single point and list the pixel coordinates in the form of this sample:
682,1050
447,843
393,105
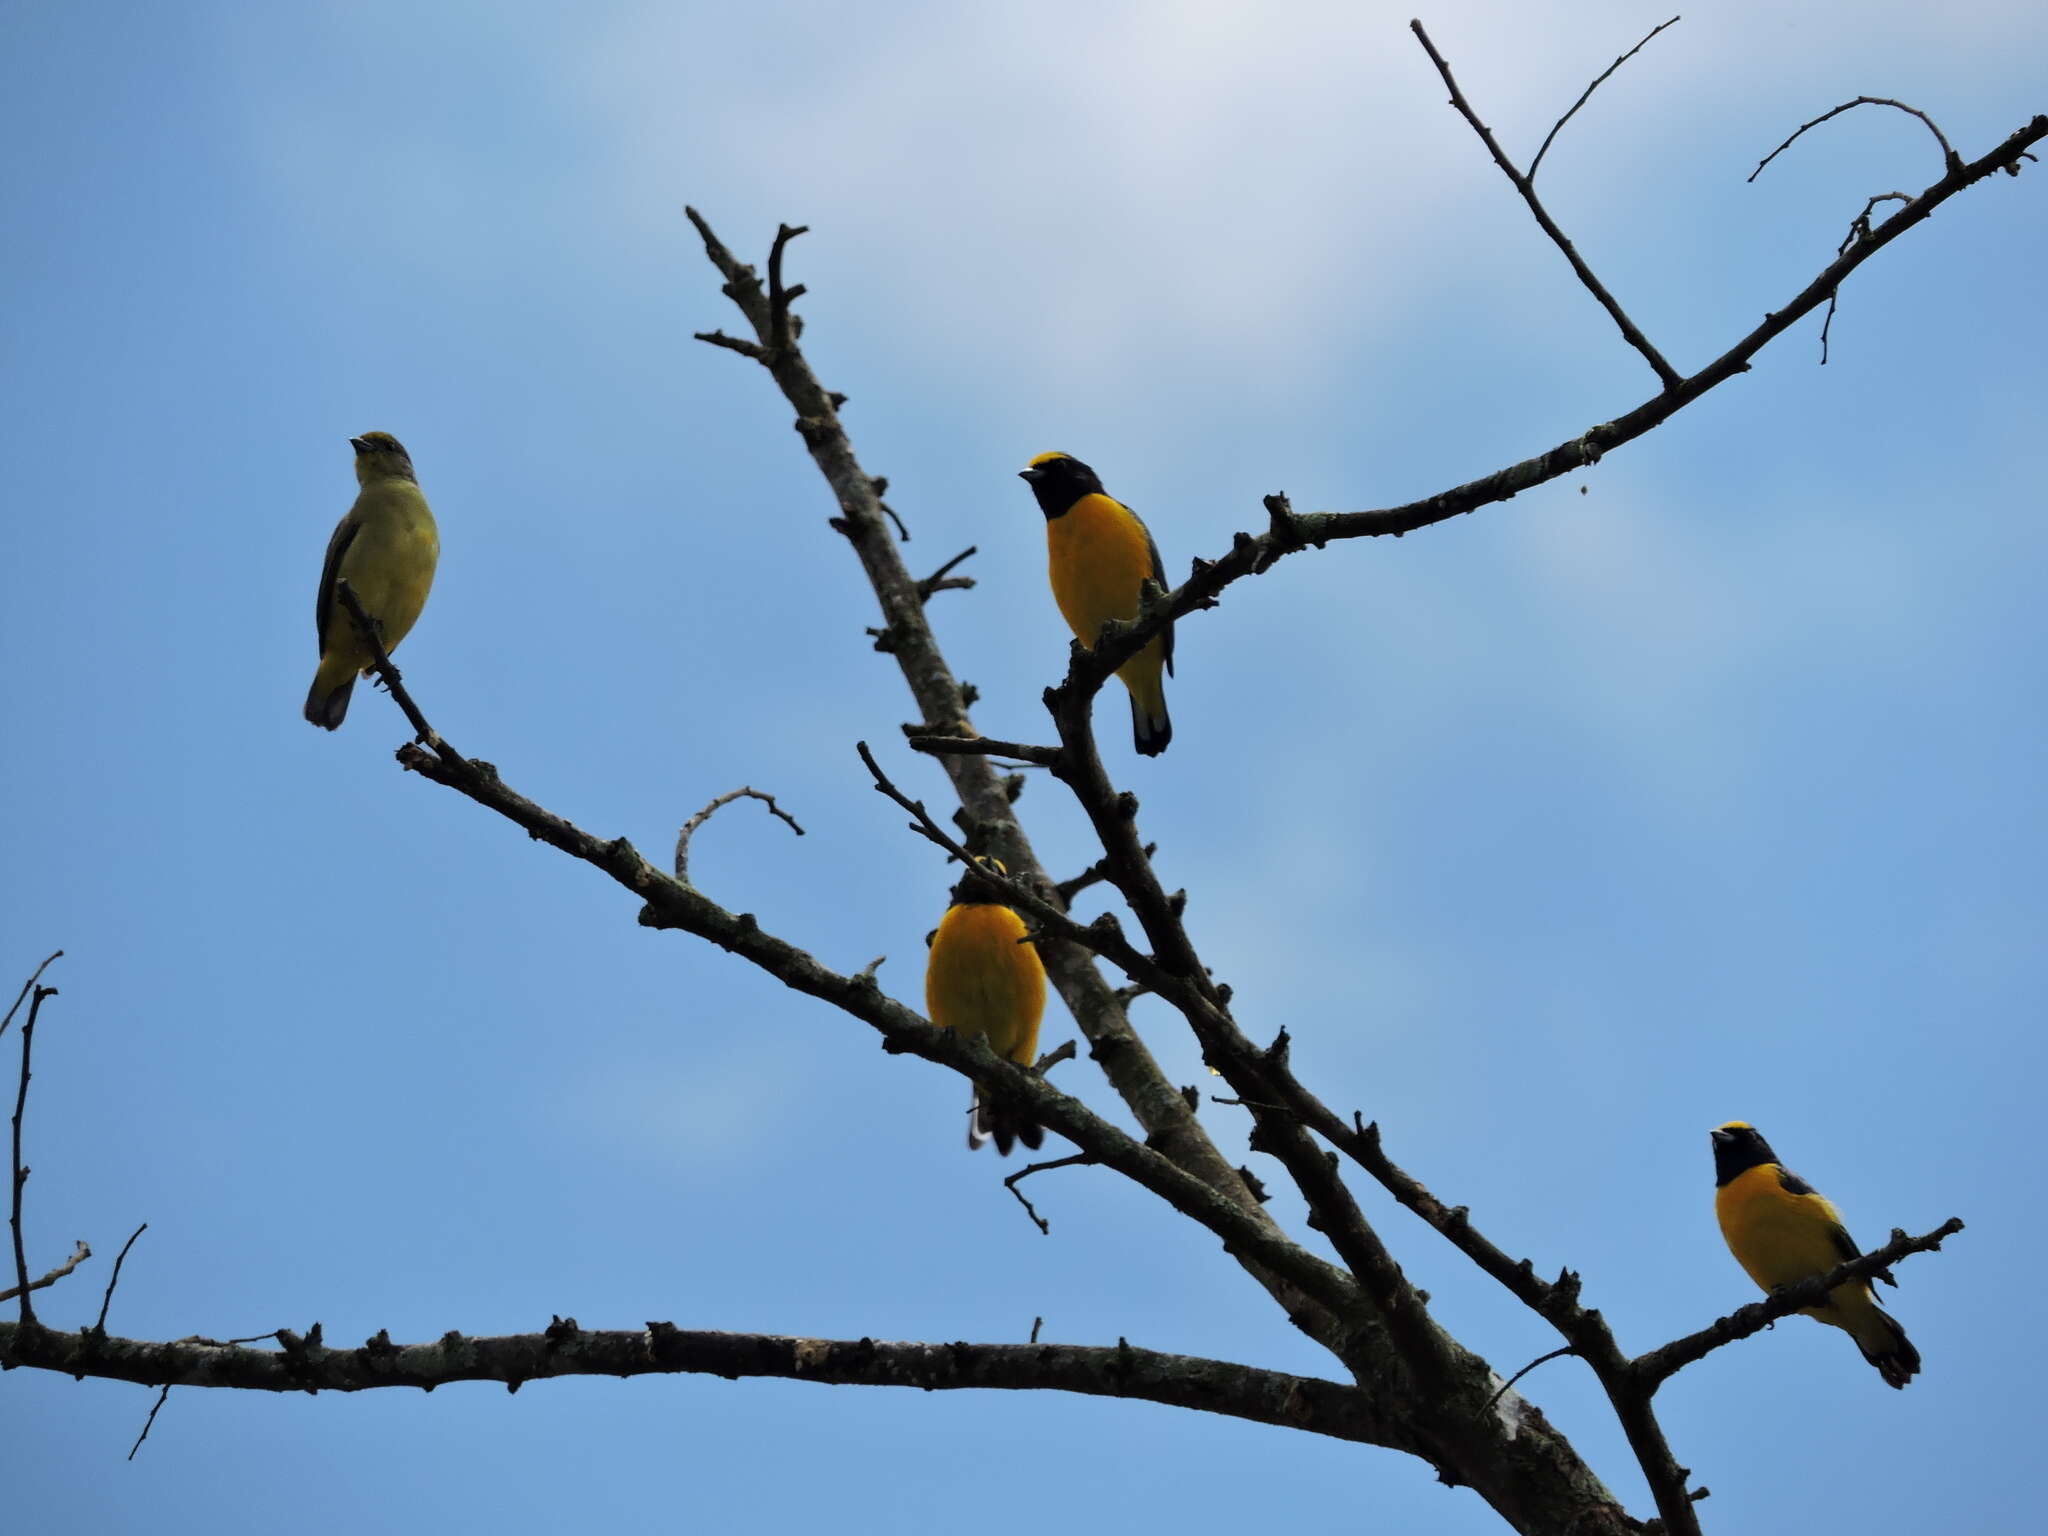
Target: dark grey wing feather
323,607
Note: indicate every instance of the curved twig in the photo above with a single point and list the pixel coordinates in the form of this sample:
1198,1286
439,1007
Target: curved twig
1950,160
1010,1183
682,864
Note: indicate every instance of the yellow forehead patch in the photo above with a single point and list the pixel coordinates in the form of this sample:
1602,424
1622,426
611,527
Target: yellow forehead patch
992,864
1736,1125
1047,458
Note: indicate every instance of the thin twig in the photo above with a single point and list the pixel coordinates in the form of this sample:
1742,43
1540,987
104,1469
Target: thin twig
940,581
28,1035
1094,874
366,628
38,976
1587,94
780,298
690,827
1569,1349
1859,231
161,1397
79,1254
1950,160
732,344
1065,1051
115,1278
983,746
1669,376
1030,1168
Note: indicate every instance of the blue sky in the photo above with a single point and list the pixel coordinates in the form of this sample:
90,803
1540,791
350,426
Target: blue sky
1702,785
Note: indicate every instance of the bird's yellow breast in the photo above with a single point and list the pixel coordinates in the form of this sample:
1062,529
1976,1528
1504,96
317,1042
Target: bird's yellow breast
981,981
1779,1238
1099,559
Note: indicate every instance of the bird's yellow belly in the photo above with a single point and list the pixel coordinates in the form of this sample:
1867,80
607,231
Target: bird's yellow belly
390,566
980,980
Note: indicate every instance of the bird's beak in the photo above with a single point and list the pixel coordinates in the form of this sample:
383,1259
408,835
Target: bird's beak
1033,475
359,445
1717,1137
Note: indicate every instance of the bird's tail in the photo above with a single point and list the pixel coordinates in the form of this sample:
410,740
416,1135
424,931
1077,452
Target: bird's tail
327,703
1883,1342
1151,729
1007,1124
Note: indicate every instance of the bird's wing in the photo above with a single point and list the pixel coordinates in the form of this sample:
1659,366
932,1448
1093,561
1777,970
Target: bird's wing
1838,1234
323,608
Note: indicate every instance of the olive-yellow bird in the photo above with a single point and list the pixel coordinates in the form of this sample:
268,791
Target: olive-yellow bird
386,549
1782,1230
1101,557
981,978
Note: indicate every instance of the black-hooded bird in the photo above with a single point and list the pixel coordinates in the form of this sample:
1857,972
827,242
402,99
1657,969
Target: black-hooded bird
1782,1230
981,978
1101,557
386,549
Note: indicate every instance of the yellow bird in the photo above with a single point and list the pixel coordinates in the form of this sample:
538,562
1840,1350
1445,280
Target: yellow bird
1782,1230
1101,556
386,548
981,978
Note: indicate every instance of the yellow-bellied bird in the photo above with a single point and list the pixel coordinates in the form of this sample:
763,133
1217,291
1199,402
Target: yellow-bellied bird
1101,556
1782,1230
982,979
385,548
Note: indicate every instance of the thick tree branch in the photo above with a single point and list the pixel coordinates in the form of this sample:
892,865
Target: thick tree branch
1120,1370
1631,333
1169,1124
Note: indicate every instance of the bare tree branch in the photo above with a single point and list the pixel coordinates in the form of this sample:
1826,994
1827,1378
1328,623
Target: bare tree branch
1587,94
1951,162
1077,1160
34,977
690,827
1170,1126
672,904
150,1423
80,1252
940,581
564,1349
22,1285
114,1279
1669,375
1253,553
